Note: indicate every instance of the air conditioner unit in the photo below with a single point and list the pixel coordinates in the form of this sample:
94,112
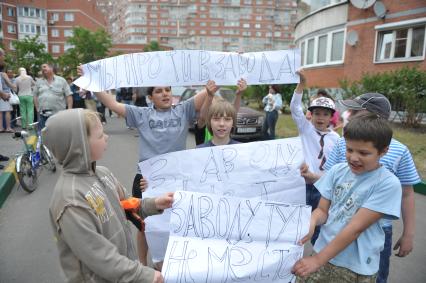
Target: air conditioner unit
51,22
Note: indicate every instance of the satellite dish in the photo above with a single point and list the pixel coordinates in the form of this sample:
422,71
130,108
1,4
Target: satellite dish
363,4
380,10
352,38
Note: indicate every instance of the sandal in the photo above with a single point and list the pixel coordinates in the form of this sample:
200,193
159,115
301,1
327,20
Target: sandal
9,131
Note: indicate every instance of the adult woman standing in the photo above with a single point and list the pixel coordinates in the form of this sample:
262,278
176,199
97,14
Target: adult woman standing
24,84
273,103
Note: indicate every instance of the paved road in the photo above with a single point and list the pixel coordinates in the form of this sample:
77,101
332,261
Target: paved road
27,248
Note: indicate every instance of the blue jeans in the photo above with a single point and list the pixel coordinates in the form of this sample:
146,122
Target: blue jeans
382,275
269,125
312,198
42,121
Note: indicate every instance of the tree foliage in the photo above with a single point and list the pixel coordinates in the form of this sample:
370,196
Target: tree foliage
29,53
405,88
152,46
87,45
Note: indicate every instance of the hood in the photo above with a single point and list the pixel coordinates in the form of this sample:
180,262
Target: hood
65,135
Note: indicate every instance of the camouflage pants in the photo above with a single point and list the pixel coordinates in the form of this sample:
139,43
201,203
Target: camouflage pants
334,274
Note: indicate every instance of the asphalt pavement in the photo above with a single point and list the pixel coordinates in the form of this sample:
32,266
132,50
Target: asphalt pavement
27,246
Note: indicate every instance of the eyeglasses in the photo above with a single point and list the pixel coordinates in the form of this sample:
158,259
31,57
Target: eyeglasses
321,153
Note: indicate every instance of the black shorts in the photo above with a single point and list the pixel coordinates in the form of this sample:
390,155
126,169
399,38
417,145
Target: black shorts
136,189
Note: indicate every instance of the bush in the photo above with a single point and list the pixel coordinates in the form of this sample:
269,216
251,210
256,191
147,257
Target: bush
405,88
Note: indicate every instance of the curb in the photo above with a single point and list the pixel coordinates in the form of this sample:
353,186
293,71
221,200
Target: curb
9,178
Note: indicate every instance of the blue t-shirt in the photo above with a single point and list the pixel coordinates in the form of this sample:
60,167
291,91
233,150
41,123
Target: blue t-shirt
210,143
161,131
378,190
398,160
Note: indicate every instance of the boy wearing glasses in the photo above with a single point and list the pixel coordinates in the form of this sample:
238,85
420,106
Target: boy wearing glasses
317,139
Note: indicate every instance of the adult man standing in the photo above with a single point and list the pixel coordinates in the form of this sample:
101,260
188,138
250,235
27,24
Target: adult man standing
51,94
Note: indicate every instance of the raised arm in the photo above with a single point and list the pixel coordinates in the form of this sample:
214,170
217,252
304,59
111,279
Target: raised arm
241,87
109,101
201,96
203,100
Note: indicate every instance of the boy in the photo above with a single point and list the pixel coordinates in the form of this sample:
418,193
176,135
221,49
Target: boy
354,197
221,118
162,128
93,236
399,161
317,139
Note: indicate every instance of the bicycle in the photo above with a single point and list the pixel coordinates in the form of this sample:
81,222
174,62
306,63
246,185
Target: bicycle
30,161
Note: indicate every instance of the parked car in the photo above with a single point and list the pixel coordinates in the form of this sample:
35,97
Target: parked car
249,121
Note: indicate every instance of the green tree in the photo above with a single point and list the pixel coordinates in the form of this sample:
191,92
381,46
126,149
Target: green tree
87,45
152,46
405,88
29,53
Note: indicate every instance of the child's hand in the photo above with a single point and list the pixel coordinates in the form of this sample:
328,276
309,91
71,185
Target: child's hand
241,86
80,71
308,236
211,87
158,278
305,266
310,177
143,184
164,201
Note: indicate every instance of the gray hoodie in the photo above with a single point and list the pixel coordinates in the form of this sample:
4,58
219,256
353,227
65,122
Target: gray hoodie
93,236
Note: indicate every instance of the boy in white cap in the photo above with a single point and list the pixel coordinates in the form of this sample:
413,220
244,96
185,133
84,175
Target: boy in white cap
317,139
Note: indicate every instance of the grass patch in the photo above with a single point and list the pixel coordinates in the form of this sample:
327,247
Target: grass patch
413,139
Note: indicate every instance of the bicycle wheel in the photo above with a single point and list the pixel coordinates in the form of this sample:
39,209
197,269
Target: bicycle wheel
27,175
47,158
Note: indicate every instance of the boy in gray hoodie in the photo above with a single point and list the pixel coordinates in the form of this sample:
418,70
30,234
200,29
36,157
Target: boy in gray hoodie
93,236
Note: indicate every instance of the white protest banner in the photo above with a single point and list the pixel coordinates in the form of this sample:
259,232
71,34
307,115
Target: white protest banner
267,170
227,239
190,67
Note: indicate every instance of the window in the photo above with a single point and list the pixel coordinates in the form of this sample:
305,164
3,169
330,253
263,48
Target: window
11,29
10,12
55,33
69,17
322,49
55,16
310,51
400,44
337,46
68,33
56,48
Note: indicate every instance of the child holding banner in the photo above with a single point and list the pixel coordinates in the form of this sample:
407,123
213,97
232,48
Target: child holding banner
162,128
317,139
221,118
354,197
201,132
92,234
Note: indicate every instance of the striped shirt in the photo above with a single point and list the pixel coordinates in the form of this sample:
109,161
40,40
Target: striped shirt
398,160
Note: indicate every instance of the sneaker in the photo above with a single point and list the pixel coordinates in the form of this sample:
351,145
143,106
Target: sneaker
3,158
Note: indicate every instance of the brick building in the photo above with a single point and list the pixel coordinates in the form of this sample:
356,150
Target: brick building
53,21
339,40
222,25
